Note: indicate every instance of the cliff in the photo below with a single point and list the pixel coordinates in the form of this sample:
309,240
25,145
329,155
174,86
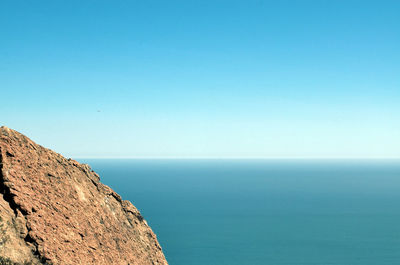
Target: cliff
54,210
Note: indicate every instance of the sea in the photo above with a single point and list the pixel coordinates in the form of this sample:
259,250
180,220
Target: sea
265,212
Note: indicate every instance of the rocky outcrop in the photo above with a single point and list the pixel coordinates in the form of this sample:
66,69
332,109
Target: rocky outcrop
54,210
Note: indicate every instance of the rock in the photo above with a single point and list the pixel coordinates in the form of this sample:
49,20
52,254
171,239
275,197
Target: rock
54,210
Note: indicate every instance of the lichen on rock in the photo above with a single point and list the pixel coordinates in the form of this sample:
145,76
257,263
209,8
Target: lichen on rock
55,210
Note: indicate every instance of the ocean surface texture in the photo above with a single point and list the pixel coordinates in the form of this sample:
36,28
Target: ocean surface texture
253,212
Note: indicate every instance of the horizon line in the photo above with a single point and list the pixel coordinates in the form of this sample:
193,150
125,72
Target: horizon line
232,158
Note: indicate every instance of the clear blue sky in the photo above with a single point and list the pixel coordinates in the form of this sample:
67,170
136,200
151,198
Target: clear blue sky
203,78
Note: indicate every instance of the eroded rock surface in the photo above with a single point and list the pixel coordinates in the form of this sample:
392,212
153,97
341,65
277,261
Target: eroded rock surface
54,210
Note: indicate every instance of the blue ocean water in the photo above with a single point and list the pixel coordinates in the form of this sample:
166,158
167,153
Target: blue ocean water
216,212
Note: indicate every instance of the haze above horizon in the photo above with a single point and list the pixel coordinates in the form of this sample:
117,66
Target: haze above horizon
190,79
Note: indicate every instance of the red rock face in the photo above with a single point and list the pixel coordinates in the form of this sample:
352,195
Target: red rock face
54,210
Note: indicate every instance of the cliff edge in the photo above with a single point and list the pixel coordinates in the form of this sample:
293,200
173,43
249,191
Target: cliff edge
54,210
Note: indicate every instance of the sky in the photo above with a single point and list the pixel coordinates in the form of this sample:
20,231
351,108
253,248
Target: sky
189,79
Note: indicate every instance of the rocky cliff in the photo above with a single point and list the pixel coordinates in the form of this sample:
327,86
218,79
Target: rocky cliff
54,210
